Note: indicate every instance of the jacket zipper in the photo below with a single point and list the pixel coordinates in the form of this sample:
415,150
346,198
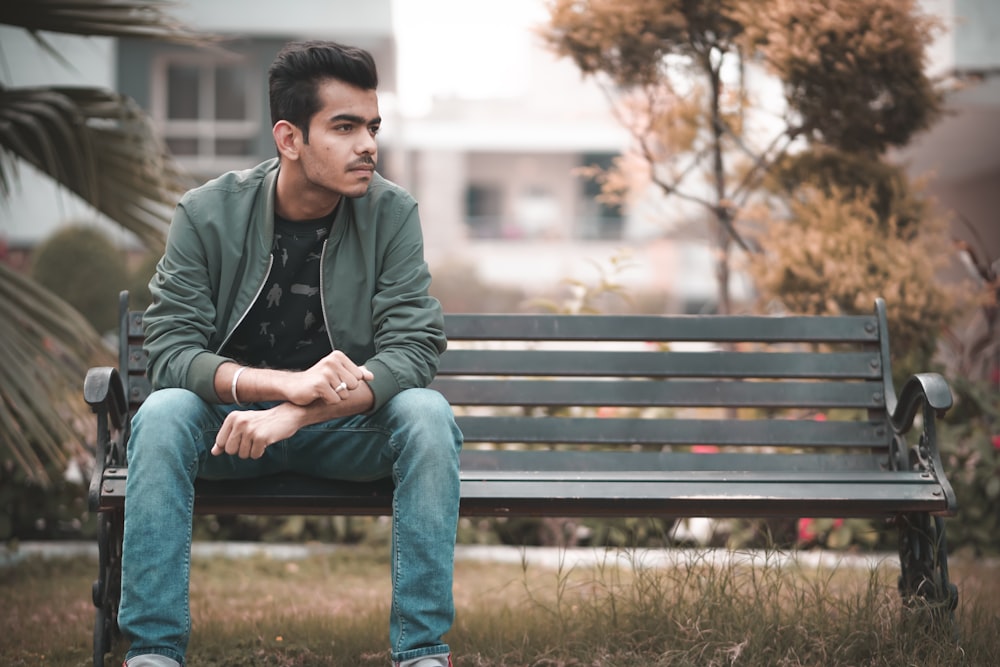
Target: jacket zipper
322,293
270,263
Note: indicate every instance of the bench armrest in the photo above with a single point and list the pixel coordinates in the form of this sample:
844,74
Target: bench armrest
929,394
923,388
104,392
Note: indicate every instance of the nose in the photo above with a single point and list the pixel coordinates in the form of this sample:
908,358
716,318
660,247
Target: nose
367,145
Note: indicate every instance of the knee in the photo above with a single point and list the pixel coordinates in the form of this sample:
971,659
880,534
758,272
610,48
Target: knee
427,415
166,406
167,419
420,404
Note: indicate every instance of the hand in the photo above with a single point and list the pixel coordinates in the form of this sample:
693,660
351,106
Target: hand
247,433
329,380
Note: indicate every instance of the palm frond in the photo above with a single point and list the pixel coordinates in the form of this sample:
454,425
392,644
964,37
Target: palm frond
98,144
108,18
101,146
47,347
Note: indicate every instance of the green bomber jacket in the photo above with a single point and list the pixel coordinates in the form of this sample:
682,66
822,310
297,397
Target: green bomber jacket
374,283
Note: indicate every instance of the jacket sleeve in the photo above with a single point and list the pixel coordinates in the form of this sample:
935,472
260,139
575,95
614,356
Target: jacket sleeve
408,322
180,322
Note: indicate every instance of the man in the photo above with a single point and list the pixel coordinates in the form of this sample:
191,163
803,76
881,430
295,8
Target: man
291,329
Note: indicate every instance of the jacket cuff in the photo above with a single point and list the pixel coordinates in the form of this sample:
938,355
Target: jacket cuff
201,375
383,385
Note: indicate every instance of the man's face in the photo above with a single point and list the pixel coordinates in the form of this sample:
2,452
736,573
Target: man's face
341,153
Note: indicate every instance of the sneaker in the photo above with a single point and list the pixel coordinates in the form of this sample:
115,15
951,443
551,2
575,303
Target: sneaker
151,660
425,661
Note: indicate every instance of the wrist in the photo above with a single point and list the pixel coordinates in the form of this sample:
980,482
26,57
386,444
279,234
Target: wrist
292,412
234,386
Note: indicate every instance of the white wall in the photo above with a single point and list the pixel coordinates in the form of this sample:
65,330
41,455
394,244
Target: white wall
315,19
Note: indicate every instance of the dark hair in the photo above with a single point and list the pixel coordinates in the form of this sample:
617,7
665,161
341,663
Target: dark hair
299,67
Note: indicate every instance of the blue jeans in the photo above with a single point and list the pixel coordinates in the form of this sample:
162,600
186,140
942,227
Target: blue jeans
412,438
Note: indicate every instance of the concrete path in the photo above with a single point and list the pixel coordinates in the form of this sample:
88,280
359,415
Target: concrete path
549,557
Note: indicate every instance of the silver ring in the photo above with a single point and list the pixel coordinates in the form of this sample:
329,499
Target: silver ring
340,387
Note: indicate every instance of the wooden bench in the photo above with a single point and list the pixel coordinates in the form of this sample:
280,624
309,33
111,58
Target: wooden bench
596,416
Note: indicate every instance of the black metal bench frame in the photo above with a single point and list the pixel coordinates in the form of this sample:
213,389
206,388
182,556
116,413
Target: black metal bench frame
527,388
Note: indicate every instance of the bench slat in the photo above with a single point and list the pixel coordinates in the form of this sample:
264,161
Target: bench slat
689,328
668,495
476,460
680,393
724,499
658,363
611,431
747,477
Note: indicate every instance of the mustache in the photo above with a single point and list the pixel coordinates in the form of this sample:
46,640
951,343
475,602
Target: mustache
363,161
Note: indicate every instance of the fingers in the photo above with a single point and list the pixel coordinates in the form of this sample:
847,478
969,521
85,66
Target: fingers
342,366
236,439
342,375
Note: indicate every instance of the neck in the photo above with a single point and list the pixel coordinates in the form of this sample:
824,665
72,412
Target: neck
294,200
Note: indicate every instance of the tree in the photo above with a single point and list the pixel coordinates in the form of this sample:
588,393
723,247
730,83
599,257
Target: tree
100,146
82,264
684,76
833,254
851,226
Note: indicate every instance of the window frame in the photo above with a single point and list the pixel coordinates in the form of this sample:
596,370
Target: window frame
206,130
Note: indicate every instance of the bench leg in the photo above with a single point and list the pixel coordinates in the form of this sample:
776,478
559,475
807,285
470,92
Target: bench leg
923,556
107,588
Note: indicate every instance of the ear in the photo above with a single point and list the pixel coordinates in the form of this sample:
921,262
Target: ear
287,138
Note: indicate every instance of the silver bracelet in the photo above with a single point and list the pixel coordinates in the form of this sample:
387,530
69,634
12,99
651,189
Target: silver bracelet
232,387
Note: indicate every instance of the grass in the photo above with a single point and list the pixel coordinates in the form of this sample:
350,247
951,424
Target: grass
332,610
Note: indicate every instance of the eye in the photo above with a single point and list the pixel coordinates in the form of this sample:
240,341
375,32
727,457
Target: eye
374,129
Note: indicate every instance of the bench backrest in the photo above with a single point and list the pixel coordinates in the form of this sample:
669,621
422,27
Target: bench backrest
810,384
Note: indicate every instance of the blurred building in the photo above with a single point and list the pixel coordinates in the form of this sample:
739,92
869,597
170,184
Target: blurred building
494,169
960,155
210,104
495,160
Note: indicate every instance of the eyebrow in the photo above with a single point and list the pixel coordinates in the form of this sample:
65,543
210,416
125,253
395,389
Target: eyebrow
357,120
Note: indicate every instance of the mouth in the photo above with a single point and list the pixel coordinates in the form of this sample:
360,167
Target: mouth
363,168
362,174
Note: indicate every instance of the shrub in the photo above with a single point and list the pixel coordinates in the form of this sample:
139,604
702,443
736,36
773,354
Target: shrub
970,443
83,266
833,255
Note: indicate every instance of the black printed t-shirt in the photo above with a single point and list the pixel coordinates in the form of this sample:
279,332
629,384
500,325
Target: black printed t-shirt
285,327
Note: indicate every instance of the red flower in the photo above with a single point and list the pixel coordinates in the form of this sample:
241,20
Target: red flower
996,442
806,532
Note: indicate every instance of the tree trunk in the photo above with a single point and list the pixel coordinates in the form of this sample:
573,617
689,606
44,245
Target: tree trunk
723,215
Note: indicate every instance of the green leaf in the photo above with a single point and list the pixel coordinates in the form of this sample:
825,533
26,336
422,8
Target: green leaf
148,19
102,147
47,348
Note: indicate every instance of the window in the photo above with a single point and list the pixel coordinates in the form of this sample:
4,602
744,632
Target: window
484,211
208,111
598,220
536,213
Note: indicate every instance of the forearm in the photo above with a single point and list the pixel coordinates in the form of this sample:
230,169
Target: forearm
358,400
247,433
332,380
254,385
